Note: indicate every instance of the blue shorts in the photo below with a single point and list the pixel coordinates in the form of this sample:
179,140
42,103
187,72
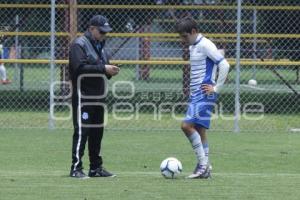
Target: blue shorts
200,108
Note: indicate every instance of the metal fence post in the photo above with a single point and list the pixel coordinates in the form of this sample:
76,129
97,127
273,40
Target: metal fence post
254,53
237,67
52,63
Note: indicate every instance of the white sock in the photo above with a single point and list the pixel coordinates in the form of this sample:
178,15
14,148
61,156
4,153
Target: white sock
2,72
206,150
195,140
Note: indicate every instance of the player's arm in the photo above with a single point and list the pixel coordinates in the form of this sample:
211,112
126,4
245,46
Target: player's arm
216,56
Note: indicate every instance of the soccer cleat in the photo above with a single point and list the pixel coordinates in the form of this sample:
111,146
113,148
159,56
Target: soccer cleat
100,172
78,174
201,171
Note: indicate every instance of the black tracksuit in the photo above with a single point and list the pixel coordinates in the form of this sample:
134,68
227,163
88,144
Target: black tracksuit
87,57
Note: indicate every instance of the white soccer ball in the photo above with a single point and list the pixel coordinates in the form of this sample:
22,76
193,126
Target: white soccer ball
252,82
170,167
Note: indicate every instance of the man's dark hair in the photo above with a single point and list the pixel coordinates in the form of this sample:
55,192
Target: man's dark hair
185,25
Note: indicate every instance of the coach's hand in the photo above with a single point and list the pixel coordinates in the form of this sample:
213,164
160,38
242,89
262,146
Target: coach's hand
207,88
112,70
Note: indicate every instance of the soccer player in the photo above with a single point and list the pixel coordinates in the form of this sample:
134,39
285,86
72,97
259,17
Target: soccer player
205,58
3,79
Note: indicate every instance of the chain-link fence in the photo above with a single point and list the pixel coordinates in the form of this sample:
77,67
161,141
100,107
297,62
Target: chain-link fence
152,88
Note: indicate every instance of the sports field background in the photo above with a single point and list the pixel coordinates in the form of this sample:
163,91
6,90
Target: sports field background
280,103
162,78
261,162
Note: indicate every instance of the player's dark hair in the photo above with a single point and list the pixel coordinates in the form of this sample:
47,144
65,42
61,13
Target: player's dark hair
185,25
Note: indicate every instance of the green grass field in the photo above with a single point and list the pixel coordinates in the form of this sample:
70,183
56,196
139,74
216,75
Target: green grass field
35,165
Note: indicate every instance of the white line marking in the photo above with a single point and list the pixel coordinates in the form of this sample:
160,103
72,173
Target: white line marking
295,129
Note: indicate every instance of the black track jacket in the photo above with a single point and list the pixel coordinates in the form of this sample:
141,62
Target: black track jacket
87,57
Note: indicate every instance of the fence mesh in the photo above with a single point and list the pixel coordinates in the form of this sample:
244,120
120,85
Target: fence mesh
151,90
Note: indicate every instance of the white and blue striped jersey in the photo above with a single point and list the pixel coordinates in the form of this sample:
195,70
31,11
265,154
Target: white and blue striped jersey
204,58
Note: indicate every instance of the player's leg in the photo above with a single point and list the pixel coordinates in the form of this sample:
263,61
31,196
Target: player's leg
199,114
195,140
94,145
80,116
2,72
95,138
204,113
204,139
78,146
4,79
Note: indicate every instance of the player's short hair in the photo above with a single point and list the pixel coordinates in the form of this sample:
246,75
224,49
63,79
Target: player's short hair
185,25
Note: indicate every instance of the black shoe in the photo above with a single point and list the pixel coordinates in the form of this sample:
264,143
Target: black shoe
78,174
100,172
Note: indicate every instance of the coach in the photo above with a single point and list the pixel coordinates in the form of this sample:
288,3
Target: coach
89,69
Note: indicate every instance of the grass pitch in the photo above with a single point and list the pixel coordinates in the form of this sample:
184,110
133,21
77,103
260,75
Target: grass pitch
35,165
